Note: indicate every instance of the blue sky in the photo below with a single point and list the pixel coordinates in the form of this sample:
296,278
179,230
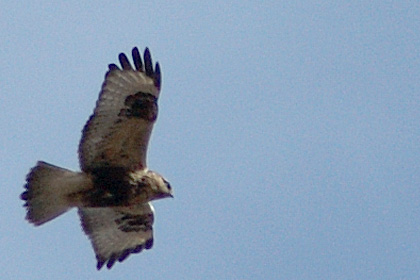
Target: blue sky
289,131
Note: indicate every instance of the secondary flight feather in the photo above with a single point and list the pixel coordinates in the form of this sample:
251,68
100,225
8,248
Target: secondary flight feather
114,188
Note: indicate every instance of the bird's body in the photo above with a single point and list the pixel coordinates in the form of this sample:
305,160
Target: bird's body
114,188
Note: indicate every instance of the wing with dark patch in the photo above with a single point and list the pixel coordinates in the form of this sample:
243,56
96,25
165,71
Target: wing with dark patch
117,232
118,132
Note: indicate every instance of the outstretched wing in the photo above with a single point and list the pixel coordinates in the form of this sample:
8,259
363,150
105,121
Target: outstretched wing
118,132
117,232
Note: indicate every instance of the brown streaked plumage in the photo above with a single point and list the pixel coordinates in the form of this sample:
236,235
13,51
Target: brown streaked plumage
114,189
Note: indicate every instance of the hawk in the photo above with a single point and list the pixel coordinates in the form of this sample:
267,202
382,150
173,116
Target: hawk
114,188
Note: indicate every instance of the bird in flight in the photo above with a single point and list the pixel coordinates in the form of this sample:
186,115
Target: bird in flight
114,188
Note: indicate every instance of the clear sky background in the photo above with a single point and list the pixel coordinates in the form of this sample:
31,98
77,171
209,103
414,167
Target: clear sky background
289,130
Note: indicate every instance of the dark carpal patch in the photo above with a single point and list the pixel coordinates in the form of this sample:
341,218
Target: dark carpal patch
141,105
130,223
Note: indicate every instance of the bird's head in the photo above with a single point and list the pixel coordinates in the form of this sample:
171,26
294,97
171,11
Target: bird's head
154,184
159,185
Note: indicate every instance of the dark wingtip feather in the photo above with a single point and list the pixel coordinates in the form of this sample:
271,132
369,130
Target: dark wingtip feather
100,264
24,195
137,249
111,261
113,67
124,62
148,65
137,59
157,77
124,255
149,244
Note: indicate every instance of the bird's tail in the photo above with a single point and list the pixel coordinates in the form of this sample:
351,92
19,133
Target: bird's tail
48,191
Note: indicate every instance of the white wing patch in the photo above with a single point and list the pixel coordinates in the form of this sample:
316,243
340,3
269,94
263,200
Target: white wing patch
117,232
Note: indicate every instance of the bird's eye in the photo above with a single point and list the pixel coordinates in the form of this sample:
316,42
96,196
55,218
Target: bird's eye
168,185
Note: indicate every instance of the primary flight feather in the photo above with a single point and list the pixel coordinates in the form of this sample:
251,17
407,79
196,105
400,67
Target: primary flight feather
114,188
